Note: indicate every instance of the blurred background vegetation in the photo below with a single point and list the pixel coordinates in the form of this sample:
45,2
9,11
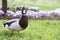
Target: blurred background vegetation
42,4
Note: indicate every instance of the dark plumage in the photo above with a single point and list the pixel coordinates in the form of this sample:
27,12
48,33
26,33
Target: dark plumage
8,23
23,22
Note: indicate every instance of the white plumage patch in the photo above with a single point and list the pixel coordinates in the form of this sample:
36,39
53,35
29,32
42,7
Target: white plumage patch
6,26
24,11
14,26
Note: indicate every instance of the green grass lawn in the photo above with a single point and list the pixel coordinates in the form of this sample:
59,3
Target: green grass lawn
42,4
36,30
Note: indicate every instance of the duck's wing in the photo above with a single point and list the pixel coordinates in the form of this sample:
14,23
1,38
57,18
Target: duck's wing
9,22
12,20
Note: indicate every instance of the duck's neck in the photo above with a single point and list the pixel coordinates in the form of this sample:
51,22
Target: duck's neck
23,15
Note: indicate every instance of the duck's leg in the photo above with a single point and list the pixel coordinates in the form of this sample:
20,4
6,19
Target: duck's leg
11,32
19,33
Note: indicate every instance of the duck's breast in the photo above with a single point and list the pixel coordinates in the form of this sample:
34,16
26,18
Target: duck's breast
23,22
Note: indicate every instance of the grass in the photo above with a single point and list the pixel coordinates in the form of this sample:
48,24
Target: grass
36,30
42,4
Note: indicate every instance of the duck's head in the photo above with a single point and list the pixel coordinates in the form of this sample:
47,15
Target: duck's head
24,10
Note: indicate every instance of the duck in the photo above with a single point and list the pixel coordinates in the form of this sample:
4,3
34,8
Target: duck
18,24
